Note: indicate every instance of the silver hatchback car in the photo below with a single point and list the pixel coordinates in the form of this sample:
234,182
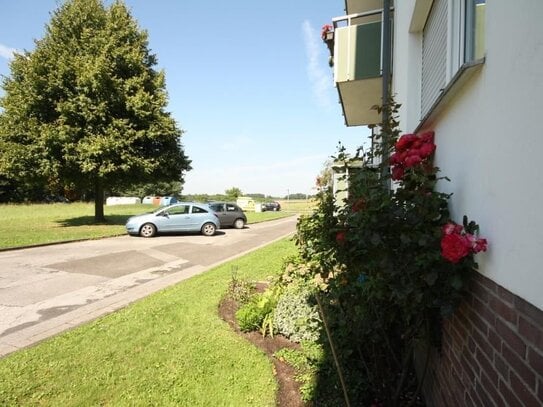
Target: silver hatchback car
180,217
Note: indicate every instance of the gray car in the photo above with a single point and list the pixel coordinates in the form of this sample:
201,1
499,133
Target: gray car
229,214
271,206
180,217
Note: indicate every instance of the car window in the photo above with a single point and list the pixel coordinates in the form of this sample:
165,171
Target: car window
178,210
216,207
231,208
197,209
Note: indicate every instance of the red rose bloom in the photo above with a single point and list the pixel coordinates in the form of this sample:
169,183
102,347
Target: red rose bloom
397,173
412,160
427,137
395,158
412,151
454,247
427,149
480,245
470,240
450,228
405,141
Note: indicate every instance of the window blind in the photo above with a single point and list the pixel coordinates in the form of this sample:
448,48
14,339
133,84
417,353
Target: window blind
434,55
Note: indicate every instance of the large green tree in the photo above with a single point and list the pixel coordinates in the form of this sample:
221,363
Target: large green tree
86,108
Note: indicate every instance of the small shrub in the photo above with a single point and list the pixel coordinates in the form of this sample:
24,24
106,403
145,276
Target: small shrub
295,270
314,352
293,357
239,290
249,316
257,313
296,316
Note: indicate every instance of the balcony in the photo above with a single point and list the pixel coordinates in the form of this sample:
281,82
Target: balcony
362,6
358,66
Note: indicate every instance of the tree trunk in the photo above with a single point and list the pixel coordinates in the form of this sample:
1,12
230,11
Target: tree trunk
99,201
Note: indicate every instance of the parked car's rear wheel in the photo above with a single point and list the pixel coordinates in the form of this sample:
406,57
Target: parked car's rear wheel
208,229
239,223
148,230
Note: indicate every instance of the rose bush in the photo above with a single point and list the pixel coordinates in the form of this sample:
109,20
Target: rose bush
392,264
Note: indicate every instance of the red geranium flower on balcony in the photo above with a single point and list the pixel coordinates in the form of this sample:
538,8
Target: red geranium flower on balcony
326,28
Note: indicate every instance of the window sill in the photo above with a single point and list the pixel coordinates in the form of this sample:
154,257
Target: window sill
464,73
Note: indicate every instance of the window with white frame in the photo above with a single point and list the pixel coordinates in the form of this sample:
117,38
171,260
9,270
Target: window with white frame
452,36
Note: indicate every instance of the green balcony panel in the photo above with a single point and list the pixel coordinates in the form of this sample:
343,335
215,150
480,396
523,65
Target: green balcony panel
357,71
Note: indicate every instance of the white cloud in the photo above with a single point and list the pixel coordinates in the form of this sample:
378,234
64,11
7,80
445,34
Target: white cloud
7,52
317,70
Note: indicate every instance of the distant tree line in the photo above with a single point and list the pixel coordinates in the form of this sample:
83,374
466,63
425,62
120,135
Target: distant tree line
233,193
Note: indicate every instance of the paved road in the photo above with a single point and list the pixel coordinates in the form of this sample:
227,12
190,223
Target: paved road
47,290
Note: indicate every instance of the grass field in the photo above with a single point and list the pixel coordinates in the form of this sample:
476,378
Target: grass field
170,349
25,225
302,206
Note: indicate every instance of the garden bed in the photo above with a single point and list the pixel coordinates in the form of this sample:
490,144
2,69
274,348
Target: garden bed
288,389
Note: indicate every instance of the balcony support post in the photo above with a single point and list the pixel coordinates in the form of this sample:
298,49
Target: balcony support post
386,69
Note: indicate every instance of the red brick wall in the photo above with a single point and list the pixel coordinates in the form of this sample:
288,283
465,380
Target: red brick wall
492,352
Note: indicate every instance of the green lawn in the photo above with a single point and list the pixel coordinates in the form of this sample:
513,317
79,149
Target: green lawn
170,349
302,206
24,225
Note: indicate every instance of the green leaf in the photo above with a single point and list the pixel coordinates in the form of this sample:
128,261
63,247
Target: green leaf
456,282
430,278
405,239
375,239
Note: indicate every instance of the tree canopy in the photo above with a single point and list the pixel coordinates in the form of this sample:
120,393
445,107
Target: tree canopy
233,193
86,109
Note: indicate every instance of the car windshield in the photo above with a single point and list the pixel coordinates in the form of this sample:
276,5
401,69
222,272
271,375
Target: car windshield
147,213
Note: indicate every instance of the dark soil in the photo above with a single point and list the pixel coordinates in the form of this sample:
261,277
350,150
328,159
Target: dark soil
289,390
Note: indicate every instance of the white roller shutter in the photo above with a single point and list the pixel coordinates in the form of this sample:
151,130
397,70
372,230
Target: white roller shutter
434,55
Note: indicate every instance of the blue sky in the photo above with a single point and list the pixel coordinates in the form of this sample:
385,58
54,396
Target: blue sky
248,82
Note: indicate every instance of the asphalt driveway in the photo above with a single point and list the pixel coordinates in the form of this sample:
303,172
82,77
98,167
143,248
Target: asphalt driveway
47,290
